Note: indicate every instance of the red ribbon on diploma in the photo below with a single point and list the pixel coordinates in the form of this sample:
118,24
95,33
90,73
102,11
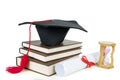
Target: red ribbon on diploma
85,60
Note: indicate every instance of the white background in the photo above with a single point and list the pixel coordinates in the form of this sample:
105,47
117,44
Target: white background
100,17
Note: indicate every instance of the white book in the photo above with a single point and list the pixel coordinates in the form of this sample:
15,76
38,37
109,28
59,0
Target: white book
48,57
46,68
66,44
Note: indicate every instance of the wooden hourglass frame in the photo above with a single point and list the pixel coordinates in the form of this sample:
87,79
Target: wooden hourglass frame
104,44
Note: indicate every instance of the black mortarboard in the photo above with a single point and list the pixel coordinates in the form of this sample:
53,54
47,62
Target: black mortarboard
53,32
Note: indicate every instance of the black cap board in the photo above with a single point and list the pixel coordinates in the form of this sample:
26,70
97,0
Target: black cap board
53,32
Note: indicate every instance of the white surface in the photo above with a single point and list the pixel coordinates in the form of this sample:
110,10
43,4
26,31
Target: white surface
100,17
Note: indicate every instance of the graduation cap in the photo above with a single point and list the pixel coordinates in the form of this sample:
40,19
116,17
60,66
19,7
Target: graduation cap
51,33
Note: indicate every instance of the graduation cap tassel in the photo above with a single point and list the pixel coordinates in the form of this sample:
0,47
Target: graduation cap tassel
24,59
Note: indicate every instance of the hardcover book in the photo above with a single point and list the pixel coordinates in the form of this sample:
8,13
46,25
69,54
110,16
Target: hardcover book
67,44
46,68
48,57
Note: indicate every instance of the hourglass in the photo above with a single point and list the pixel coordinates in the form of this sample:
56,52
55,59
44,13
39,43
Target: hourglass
106,48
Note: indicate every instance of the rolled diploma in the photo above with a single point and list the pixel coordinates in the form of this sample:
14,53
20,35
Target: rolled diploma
74,64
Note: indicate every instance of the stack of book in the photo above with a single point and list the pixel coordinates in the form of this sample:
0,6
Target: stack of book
43,58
